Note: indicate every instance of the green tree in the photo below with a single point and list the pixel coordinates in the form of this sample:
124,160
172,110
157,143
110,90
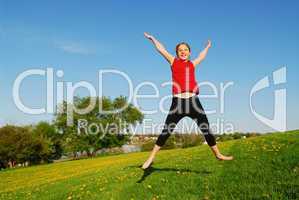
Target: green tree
19,145
111,129
46,131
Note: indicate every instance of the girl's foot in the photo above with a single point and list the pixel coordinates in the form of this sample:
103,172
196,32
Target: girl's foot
147,164
222,157
218,155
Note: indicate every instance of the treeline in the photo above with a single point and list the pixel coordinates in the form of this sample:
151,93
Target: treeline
45,142
234,136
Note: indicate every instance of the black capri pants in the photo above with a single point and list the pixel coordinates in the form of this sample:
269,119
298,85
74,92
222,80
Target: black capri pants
181,107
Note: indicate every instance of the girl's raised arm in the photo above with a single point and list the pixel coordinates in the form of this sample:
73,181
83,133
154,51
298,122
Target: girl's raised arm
202,54
160,48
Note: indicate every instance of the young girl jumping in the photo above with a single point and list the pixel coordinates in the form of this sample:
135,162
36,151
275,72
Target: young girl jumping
185,101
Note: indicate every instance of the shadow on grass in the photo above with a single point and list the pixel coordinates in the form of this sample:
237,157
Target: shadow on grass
152,169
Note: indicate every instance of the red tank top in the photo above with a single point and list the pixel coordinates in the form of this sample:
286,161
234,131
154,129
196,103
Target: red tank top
183,77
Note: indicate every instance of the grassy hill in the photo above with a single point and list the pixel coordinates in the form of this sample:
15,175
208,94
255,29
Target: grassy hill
265,167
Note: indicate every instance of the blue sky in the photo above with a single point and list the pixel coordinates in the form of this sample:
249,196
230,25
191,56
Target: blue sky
250,40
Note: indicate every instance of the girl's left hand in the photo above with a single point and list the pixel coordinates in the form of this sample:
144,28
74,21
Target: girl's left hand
209,44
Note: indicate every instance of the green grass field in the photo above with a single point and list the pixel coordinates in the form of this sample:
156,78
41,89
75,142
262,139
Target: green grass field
265,167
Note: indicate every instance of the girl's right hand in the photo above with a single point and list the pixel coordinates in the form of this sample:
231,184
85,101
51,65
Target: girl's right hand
148,36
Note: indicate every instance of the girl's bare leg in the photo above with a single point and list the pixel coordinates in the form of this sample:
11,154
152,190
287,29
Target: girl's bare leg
151,157
219,155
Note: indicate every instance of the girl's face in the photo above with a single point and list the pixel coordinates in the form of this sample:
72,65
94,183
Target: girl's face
183,52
